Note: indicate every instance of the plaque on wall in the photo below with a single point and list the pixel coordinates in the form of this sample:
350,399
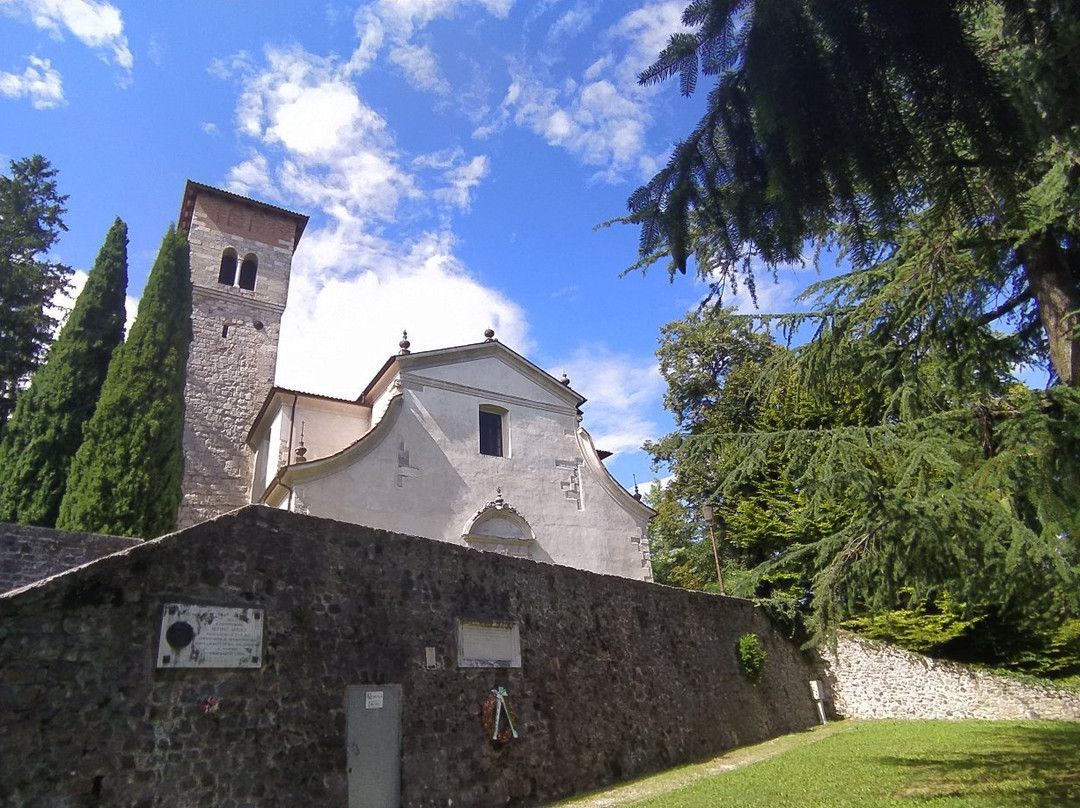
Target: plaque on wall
210,637
488,644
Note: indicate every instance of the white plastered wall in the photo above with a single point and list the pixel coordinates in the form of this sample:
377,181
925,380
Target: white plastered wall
420,470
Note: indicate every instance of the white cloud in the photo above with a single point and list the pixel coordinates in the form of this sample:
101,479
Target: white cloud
323,147
39,82
646,31
602,118
97,25
346,318
238,64
404,17
156,50
420,67
337,153
774,295
621,389
571,23
597,122
251,177
462,180
393,23
776,291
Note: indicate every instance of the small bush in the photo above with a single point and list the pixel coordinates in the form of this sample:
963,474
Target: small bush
752,658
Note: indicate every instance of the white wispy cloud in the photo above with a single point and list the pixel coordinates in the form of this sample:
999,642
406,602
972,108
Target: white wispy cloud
602,116
98,25
392,23
421,67
621,390
571,23
462,178
39,82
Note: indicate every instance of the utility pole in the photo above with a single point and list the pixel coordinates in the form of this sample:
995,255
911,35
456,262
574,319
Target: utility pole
709,512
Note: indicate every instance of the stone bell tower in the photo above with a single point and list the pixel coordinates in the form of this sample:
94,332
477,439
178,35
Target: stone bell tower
241,257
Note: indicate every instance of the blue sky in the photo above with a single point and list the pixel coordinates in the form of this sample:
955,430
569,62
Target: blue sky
454,157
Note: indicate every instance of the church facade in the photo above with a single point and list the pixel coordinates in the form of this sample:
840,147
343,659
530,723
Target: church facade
471,444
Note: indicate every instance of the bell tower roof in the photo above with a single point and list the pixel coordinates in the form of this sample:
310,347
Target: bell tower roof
194,189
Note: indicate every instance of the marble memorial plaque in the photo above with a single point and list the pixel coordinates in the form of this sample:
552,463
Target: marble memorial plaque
210,637
488,644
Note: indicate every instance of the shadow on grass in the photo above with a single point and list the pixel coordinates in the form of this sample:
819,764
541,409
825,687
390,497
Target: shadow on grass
1029,765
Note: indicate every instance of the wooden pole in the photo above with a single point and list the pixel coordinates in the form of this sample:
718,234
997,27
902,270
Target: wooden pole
709,513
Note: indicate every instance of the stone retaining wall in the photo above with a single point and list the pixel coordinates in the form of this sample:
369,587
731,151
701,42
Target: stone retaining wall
618,678
29,554
874,680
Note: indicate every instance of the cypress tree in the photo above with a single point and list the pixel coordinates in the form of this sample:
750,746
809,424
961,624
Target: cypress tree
126,477
43,435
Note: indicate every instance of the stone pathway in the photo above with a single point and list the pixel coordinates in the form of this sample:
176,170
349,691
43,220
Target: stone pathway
649,787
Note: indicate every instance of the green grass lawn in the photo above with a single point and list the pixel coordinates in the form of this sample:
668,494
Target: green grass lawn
907,763
965,764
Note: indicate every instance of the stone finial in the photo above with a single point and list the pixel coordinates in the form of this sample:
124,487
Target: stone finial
565,380
404,344
489,335
497,504
301,450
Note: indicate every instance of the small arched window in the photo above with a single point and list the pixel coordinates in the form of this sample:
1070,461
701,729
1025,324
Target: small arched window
227,273
248,270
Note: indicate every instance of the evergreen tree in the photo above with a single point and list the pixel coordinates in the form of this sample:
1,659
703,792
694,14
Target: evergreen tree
846,123
46,430
31,220
679,549
127,475
883,467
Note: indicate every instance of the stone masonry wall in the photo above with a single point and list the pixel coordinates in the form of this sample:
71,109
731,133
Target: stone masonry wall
875,680
29,554
233,355
618,678
228,377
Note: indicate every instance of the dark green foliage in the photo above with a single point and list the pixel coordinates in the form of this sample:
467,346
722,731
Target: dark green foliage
752,657
127,475
46,430
31,220
849,123
861,474
680,553
892,463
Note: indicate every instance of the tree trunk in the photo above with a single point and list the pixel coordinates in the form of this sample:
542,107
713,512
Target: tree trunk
1053,272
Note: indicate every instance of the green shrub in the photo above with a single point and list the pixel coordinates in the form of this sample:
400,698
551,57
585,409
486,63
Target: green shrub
752,657
923,629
